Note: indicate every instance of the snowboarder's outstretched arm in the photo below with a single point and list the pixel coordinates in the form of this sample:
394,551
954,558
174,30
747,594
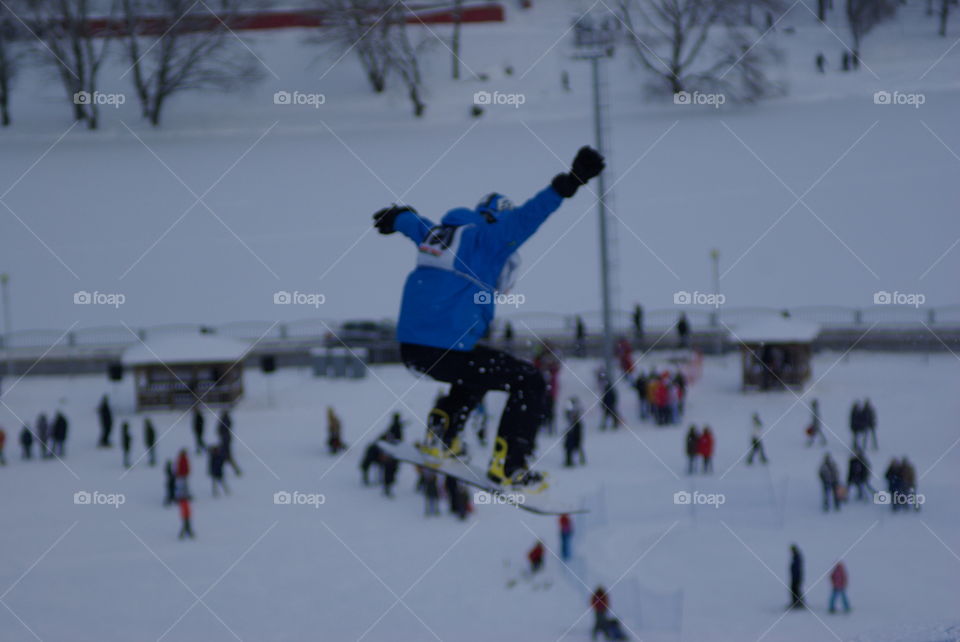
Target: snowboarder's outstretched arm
403,219
518,225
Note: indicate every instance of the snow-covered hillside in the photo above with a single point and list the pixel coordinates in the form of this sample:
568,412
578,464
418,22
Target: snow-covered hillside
821,197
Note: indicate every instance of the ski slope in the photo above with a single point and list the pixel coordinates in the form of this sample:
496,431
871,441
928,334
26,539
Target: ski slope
360,566
236,197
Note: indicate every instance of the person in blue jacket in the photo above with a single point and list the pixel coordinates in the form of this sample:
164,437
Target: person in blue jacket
463,264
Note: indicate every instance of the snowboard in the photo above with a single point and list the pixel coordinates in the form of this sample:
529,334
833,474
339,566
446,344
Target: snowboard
547,502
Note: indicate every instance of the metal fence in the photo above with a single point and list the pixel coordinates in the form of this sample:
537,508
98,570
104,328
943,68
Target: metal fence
544,324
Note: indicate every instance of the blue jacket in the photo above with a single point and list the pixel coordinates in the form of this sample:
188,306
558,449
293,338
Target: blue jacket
448,300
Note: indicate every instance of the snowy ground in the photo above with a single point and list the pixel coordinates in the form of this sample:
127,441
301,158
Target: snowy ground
364,567
287,192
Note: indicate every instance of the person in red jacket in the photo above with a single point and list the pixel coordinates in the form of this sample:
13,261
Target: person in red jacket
185,529
182,471
536,557
838,580
600,603
625,356
705,449
566,534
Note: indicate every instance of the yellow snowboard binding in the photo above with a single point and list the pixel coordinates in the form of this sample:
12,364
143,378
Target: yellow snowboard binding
436,445
520,479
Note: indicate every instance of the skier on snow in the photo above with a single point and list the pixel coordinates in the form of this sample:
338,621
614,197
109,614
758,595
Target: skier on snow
448,305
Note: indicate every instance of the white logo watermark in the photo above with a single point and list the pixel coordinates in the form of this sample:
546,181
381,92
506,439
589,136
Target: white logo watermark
508,499
296,498
898,498
282,297
485,297
299,98
99,98
898,298
684,498
697,98
497,98
899,98
698,298
96,498
83,297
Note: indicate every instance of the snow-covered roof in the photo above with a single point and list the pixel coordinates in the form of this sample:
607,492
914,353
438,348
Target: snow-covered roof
196,348
775,329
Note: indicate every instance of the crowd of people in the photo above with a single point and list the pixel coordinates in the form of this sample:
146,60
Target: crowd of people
49,437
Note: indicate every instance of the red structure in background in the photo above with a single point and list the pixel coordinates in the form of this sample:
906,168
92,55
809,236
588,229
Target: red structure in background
426,14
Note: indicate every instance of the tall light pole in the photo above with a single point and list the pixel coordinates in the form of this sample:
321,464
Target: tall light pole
7,328
594,41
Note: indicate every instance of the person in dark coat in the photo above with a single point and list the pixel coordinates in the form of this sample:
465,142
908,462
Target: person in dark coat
869,424
44,436
215,463
683,330
150,441
894,477
225,433
638,322
815,429
756,441
830,480
431,491
60,428
125,442
3,443
908,481
106,422
692,448
371,457
389,466
796,578
170,483
856,424
26,443
573,438
580,338
858,474
394,433
609,406
640,385
198,430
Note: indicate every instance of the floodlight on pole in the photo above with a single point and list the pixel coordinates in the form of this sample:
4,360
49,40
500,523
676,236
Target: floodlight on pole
594,41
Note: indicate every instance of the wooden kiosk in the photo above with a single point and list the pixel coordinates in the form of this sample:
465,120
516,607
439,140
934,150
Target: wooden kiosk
174,372
775,352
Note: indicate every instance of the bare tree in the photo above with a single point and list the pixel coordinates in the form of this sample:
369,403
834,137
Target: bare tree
377,31
700,45
863,16
361,26
12,51
75,48
181,57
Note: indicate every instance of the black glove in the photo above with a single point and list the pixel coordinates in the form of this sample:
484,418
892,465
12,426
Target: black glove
586,165
384,219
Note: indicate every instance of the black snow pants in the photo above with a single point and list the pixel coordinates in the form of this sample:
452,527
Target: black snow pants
471,374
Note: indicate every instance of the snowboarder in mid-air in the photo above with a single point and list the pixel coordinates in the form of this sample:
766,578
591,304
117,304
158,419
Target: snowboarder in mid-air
463,263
